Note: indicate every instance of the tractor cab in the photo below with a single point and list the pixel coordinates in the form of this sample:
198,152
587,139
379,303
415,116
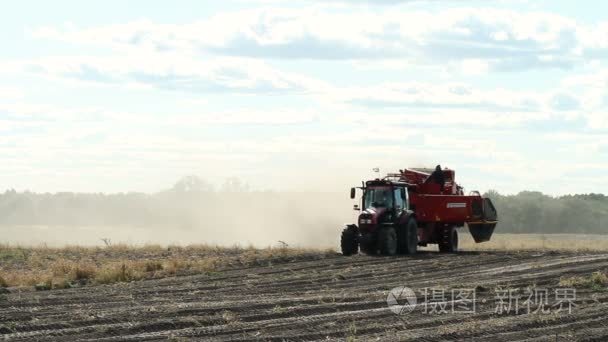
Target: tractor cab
389,197
383,202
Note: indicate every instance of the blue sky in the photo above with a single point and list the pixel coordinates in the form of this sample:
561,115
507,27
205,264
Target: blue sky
303,95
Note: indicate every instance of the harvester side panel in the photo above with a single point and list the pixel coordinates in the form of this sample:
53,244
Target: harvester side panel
452,209
478,212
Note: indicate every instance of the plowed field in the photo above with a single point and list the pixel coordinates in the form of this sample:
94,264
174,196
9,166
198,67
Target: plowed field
336,298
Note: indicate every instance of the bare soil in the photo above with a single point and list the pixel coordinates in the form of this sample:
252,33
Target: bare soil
335,298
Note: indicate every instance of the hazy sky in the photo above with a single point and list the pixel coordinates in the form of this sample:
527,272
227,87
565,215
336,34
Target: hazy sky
121,96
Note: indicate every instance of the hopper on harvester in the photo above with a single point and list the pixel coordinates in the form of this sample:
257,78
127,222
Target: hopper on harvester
408,209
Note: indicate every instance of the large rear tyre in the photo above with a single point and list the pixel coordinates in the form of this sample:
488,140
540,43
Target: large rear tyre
449,240
387,240
367,244
349,241
408,237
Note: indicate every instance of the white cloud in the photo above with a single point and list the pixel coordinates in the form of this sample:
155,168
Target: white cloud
173,71
598,119
447,96
392,124
480,38
474,66
276,116
28,112
425,103
10,93
454,104
592,96
39,114
228,117
112,144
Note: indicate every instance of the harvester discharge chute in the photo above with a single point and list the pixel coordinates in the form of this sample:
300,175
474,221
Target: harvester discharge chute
483,229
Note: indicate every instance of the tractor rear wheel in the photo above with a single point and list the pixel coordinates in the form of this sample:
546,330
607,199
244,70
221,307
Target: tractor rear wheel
387,240
349,241
408,237
449,240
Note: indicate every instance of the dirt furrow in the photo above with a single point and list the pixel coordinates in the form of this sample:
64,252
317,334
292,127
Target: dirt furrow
328,299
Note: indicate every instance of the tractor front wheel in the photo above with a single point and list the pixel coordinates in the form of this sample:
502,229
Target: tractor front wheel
449,240
349,241
408,237
387,239
367,244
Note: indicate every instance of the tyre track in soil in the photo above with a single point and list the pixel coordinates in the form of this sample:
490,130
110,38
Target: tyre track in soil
331,298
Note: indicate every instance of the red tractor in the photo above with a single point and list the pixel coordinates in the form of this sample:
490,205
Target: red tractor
416,207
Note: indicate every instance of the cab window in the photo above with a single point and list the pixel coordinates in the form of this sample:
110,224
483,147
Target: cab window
378,198
399,202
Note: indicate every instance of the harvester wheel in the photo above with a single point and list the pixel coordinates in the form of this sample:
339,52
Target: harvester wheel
449,240
349,241
408,242
387,239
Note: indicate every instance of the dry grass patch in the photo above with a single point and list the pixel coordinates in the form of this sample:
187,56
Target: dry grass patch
3,282
229,317
597,281
118,272
535,242
49,268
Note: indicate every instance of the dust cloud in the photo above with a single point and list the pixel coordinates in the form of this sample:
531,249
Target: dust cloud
189,213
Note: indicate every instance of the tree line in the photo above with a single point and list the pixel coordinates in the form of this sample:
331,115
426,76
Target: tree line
535,212
192,203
